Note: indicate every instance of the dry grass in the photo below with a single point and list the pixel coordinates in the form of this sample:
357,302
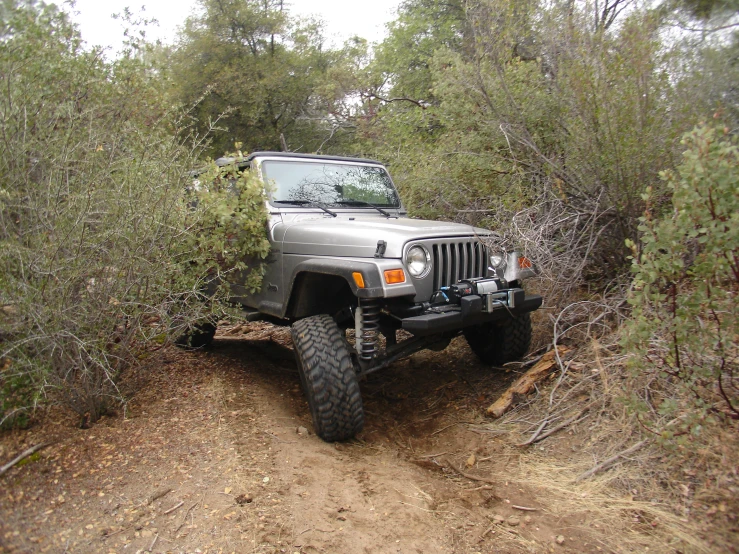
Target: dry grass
665,499
627,523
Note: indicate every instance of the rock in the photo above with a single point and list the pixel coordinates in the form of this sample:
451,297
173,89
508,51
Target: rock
471,460
560,539
527,519
513,521
244,499
499,519
301,431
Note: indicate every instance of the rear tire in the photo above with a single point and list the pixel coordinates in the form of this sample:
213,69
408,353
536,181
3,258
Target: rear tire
328,378
497,344
200,335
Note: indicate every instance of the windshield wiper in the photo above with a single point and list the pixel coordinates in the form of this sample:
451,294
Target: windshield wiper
305,203
363,203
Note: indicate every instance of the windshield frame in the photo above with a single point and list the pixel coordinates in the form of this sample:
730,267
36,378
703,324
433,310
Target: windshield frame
282,204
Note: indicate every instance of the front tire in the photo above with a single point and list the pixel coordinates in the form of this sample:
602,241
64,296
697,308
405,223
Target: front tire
496,344
328,378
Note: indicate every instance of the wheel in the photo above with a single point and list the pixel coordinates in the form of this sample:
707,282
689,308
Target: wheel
496,343
200,335
328,378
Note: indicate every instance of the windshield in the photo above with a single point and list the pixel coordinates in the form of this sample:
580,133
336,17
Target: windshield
332,183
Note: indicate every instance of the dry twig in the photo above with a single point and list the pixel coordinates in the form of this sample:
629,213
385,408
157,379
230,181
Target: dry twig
159,494
536,437
468,475
184,518
432,455
173,508
606,463
445,428
22,456
482,488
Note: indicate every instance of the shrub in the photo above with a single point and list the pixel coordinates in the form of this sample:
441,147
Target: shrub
101,250
683,334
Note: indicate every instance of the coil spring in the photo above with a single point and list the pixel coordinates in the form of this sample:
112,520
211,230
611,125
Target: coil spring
370,326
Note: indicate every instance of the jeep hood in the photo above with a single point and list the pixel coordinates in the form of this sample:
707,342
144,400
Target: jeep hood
357,237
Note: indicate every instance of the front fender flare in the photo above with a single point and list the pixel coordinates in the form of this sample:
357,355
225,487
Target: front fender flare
371,270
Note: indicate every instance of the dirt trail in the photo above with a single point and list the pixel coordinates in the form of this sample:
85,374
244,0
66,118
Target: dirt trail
211,457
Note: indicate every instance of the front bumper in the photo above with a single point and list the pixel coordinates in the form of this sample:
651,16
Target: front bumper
472,310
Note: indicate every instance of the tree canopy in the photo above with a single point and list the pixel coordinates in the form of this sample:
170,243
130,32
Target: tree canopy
256,74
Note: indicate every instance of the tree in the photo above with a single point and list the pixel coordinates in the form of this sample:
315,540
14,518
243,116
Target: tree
582,102
248,66
704,9
423,27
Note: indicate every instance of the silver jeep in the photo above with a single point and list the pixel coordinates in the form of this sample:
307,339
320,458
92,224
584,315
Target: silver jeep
349,271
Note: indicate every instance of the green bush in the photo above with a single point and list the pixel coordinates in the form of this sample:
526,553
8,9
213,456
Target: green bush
683,334
103,255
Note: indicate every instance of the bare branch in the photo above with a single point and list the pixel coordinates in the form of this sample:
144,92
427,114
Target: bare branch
22,456
420,103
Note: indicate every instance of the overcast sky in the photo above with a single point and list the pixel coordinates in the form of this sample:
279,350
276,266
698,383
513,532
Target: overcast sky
343,18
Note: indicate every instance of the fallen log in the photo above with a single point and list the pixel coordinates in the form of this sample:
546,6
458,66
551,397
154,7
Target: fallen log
524,384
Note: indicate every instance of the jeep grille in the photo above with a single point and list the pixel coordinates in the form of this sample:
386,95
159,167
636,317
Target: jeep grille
455,260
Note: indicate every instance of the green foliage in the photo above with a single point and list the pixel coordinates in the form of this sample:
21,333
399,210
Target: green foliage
704,9
528,100
231,213
247,66
100,248
685,318
423,27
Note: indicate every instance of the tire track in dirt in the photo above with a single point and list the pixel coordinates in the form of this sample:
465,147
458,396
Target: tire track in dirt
383,492
208,459
350,497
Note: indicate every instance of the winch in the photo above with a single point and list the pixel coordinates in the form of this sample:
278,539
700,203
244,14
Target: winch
484,294
473,286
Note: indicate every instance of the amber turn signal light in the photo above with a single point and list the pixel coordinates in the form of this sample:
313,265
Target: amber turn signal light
524,263
394,276
358,279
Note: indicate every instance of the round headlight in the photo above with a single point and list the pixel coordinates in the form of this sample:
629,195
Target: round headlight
418,261
498,263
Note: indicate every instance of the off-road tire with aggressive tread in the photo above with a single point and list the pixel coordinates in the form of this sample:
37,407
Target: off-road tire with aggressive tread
328,378
498,343
199,336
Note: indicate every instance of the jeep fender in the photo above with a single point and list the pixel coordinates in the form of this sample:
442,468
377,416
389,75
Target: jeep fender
332,278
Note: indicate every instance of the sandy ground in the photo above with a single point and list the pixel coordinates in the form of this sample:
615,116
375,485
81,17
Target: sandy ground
217,454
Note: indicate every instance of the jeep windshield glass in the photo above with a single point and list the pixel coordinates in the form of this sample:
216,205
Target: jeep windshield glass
332,184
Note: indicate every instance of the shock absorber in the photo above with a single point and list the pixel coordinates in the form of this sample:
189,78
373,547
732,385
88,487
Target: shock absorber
367,323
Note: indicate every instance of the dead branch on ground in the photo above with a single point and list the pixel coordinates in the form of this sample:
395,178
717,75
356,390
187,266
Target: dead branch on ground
22,456
537,436
607,463
450,465
524,384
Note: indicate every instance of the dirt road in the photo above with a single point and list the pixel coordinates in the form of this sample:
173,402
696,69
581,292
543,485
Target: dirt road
217,455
